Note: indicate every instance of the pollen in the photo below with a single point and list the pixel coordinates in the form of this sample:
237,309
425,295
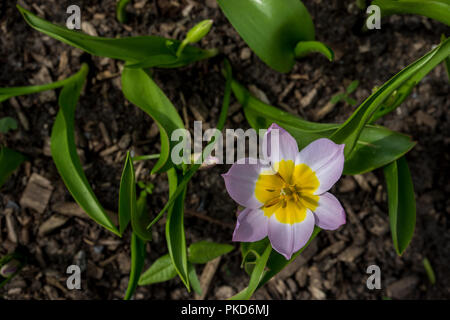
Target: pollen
287,192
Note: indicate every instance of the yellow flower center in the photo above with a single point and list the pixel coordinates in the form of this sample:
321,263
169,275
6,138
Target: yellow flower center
288,192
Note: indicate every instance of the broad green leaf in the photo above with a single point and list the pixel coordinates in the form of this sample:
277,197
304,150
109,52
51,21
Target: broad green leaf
129,208
10,160
256,276
204,251
434,9
132,49
402,204
6,93
65,157
137,264
377,146
193,279
161,270
350,131
272,28
121,11
142,91
175,237
193,169
7,124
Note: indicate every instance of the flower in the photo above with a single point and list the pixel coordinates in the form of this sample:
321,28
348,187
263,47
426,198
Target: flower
285,195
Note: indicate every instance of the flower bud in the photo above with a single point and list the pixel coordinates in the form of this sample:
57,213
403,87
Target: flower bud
200,30
9,268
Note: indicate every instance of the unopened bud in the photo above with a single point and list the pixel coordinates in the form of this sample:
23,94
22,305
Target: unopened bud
9,268
198,31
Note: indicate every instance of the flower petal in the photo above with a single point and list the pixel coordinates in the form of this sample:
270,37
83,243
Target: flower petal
289,238
326,159
284,145
329,214
251,226
240,182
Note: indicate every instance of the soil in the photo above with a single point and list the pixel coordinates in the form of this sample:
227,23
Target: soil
334,267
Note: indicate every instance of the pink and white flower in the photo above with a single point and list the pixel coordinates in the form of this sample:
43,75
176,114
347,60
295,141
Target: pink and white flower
285,196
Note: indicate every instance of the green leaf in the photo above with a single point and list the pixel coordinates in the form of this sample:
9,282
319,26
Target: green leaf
193,279
204,251
350,131
137,264
272,28
256,276
429,270
65,157
376,147
303,48
447,60
129,208
142,91
10,160
161,270
402,204
175,237
6,93
352,86
434,9
220,124
127,195
121,11
7,124
132,49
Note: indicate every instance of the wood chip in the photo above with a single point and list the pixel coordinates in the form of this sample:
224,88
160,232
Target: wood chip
53,223
350,254
308,99
207,276
11,225
37,193
326,109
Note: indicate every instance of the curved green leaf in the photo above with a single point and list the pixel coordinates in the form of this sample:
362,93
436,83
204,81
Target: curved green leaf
204,251
142,91
256,276
161,270
65,157
272,28
434,9
350,131
6,93
137,264
377,145
402,204
133,49
175,237
303,48
121,11
10,160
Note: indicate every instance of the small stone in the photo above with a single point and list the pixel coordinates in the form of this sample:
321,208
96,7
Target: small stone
224,292
246,53
124,263
350,254
346,184
125,141
402,288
